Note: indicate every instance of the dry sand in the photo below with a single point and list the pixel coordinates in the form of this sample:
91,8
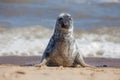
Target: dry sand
11,72
10,69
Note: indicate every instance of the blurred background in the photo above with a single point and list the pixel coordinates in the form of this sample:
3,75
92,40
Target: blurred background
26,26
86,13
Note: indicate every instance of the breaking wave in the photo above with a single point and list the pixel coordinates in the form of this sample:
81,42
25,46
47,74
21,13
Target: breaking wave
31,41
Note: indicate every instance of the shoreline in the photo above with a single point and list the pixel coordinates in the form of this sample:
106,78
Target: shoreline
31,60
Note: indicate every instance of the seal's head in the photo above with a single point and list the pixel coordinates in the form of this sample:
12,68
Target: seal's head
64,22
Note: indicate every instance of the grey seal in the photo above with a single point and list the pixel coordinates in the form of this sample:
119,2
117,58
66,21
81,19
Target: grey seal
62,49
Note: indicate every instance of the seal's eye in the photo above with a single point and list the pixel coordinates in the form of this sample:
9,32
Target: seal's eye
70,18
60,19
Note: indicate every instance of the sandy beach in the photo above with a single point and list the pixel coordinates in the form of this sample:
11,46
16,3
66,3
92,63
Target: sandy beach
12,72
21,68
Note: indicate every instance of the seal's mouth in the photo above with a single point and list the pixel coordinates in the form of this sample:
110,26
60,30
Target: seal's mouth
65,25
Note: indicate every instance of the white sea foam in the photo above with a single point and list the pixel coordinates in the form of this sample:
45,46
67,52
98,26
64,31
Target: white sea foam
99,49
31,42
22,47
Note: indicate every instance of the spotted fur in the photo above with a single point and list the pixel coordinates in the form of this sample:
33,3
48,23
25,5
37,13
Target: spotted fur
62,48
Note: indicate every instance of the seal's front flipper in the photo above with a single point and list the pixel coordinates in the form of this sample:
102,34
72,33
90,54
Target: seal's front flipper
79,60
43,62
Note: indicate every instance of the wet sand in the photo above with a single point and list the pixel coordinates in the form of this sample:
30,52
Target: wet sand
20,68
31,60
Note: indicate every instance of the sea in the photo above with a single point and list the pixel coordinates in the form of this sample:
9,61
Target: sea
30,24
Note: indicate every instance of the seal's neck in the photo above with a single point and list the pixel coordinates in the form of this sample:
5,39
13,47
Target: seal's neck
63,33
